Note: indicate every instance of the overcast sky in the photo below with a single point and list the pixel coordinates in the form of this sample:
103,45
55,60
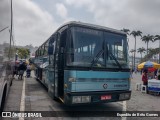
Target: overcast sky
36,20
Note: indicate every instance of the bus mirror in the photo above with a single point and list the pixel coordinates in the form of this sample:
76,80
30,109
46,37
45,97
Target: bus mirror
50,50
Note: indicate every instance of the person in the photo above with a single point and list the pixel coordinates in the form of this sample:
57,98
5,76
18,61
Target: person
151,75
158,76
155,73
21,69
28,71
131,73
141,71
145,78
15,69
135,70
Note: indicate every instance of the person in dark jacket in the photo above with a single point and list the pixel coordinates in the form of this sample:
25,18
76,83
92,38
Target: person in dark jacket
21,69
145,78
15,69
158,76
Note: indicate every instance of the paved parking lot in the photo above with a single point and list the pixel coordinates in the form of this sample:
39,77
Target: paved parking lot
30,95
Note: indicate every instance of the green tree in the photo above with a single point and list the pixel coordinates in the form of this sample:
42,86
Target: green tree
135,34
141,50
146,39
23,53
151,53
126,31
157,37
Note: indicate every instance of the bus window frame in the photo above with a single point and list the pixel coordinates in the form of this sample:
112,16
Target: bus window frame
105,48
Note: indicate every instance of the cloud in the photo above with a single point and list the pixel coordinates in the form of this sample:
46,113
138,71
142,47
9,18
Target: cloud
36,20
78,3
61,10
132,14
32,25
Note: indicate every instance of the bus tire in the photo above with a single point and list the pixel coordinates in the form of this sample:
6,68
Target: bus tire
56,99
3,99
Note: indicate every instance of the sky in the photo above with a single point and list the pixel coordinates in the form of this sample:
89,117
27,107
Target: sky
36,20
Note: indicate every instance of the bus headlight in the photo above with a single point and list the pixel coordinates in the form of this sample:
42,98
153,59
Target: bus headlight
76,99
86,99
72,79
124,96
81,99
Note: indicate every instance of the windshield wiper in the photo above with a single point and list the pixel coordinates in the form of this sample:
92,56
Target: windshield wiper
115,60
95,59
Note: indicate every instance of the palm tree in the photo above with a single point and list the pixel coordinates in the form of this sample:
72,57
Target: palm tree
132,51
151,53
157,37
141,50
146,39
135,34
126,31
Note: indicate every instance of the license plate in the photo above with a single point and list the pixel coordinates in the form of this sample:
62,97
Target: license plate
105,97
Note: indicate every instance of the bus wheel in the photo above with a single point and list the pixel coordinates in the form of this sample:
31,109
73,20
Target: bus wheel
11,82
56,99
3,100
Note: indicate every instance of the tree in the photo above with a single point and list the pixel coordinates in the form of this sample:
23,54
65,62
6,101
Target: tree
135,34
151,53
157,37
127,32
132,51
141,50
23,53
146,39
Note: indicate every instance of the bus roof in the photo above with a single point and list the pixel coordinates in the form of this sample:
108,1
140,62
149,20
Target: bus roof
78,23
93,26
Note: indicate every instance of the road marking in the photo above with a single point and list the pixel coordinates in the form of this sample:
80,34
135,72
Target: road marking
22,105
124,109
121,103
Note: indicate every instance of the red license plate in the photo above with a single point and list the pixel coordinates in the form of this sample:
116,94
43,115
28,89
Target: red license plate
105,97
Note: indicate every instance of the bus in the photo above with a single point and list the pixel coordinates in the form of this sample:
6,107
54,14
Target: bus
7,56
82,63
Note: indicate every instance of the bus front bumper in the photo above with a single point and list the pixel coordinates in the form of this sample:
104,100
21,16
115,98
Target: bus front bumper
96,97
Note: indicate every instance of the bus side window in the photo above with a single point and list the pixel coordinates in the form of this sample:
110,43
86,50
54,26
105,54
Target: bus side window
51,49
63,39
51,46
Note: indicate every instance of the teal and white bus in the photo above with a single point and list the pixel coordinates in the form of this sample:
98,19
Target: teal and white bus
85,63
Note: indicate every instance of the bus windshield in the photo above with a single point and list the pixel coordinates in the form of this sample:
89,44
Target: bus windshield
94,48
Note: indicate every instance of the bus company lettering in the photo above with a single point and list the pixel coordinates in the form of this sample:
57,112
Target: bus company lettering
26,114
120,85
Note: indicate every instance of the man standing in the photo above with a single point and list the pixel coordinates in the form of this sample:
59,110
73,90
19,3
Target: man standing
21,68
